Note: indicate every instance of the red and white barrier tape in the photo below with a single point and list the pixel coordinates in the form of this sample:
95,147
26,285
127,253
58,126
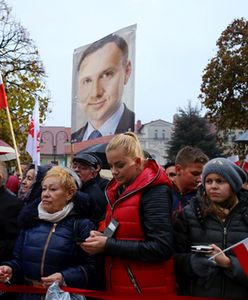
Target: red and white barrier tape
106,295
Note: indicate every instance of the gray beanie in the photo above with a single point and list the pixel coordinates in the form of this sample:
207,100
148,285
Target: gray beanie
232,173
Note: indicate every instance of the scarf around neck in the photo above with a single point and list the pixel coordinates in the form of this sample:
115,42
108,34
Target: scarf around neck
54,217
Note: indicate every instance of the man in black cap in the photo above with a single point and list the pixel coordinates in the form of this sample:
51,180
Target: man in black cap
86,167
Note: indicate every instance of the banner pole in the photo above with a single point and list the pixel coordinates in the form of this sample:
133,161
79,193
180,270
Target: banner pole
14,141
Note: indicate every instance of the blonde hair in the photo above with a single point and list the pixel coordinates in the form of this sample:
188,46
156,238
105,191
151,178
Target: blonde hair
129,142
66,180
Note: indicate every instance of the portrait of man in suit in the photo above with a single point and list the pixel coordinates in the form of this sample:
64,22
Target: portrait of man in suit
103,72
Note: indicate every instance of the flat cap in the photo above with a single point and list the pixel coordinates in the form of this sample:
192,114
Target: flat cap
86,158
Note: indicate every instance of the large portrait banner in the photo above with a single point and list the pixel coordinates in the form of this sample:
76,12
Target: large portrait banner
103,86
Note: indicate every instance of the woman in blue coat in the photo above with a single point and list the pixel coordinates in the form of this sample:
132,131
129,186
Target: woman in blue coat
47,251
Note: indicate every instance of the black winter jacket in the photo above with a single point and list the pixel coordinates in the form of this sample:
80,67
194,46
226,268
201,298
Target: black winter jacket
191,228
97,200
10,207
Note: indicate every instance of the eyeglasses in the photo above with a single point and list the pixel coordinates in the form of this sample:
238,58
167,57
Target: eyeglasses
80,166
172,174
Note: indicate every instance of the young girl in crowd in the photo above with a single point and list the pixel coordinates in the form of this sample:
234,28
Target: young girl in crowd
137,240
218,218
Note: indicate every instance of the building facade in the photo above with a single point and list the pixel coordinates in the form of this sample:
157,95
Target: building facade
55,146
154,137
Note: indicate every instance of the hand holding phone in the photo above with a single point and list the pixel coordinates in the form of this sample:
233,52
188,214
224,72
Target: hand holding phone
111,228
79,240
202,249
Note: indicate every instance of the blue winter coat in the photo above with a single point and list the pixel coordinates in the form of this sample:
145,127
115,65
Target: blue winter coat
46,248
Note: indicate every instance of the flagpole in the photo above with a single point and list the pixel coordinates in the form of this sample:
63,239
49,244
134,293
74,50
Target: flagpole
4,104
14,141
225,250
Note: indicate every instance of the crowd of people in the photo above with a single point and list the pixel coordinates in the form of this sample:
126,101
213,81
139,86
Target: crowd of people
134,233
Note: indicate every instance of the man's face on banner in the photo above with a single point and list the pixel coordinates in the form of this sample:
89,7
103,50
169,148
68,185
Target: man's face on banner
102,76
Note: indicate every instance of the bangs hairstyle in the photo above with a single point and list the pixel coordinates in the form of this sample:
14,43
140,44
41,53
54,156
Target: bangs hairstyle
129,142
66,180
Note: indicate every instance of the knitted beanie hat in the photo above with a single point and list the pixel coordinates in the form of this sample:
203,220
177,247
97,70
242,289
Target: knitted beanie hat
233,174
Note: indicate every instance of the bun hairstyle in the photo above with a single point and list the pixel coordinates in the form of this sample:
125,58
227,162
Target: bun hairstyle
129,142
66,179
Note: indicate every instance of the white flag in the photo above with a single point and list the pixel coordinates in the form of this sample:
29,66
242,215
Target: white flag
33,143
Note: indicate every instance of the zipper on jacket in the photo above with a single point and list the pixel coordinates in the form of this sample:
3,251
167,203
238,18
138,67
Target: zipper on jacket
223,281
133,280
45,249
224,237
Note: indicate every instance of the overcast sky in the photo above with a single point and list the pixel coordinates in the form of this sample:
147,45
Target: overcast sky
174,42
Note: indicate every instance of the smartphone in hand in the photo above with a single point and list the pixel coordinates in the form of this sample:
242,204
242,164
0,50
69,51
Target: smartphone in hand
79,240
202,249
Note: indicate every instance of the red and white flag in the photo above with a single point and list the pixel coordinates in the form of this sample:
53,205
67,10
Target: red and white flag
3,98
245,164
33,143
234,159
241,252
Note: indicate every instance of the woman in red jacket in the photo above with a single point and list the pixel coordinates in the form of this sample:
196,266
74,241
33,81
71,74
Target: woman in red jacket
137,239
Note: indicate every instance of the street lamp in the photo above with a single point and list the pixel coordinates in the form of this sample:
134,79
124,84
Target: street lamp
54,140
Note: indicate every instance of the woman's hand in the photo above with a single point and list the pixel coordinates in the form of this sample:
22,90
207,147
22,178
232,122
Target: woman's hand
95,243
47,281
222,260
5,273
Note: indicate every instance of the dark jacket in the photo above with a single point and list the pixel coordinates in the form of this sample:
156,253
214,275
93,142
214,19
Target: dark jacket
179,200
143,241
96,199
126,123
191,228
102,182
10,207
46,248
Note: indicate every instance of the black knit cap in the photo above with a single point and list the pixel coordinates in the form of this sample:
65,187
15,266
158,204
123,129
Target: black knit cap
232,173
87,159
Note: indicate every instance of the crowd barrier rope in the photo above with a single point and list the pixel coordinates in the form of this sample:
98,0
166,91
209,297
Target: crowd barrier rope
105,295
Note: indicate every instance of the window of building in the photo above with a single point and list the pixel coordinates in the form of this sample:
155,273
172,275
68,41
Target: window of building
163,134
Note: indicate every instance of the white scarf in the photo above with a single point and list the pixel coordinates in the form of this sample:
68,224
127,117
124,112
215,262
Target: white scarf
54,217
